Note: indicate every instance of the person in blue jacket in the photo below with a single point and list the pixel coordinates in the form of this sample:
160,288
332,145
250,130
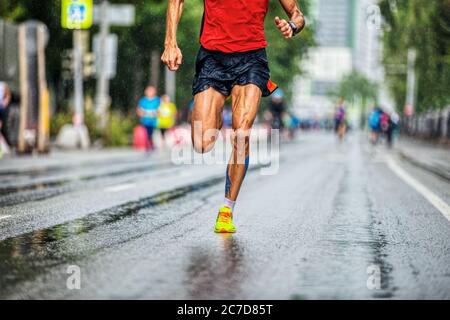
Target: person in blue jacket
147,112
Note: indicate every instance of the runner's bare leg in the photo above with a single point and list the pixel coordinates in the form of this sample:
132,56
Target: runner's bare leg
245,104
206,119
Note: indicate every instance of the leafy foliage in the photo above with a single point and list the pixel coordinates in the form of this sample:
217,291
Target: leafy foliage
424,26
356,87
137,43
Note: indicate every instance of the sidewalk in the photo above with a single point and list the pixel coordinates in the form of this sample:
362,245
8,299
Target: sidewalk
64,158
59,158
433,158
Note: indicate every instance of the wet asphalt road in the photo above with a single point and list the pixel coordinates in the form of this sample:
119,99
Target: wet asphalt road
142,228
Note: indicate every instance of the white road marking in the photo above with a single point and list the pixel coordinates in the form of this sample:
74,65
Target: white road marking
5,217
121,187
437,202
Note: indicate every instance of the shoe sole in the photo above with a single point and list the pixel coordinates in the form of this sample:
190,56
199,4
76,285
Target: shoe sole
223,231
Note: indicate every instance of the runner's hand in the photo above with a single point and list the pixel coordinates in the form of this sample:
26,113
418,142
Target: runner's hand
172,57
284,27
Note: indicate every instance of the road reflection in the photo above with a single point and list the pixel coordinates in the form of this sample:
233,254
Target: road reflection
218,274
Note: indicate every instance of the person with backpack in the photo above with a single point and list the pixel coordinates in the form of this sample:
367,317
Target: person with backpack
340,121
147,112
384,122
375,124
394,120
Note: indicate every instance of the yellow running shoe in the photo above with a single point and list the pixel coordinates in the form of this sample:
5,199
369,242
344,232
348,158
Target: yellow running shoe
224,223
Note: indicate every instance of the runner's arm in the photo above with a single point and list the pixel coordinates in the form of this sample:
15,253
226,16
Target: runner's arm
172,56
295,15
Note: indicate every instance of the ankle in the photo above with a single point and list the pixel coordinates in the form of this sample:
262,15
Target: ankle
229,204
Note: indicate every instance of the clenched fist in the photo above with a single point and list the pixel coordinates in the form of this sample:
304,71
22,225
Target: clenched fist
284,27
172,57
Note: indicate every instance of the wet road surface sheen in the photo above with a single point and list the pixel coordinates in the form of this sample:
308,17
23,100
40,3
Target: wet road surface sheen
312,231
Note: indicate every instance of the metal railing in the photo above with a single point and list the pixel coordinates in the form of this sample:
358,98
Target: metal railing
431,125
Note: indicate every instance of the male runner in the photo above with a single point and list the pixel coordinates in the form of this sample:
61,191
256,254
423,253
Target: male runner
232,61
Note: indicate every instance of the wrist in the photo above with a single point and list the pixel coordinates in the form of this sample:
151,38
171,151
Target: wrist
170,44
302,22
294,28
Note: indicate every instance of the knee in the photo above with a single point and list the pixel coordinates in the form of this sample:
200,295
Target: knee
203,142
201,147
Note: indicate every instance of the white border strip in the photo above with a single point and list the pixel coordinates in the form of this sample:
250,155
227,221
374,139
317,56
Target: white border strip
437,202
120,187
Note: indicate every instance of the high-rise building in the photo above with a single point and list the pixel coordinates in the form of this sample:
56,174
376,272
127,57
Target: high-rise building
367,51
330,61
367,46
335,20
348,38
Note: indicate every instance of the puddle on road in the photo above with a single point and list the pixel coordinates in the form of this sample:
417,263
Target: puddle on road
209,276
12,195
26,256
354,238
380,256
36,186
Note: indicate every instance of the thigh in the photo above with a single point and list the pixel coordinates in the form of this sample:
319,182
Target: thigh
207,112
245,104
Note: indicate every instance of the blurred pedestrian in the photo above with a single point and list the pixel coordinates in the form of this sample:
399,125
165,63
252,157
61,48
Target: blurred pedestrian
190,109
227,116
340,124
374,124
394,120
147,112
167,115
291,123
277,107
5,100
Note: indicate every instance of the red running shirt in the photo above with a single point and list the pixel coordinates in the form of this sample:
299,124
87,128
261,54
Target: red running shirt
234,25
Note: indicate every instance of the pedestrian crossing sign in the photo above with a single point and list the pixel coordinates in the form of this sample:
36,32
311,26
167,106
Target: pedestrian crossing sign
76,14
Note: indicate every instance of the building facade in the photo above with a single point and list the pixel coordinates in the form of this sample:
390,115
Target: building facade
347,38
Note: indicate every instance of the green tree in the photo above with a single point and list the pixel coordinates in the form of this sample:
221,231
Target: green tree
356,88
148,35
137,43
424,26
285,56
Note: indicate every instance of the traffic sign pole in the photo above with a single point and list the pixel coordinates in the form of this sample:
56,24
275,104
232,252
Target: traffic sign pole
77,15
102,98
106,15
411,81
78,77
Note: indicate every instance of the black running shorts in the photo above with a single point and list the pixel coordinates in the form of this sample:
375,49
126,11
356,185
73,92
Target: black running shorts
222,71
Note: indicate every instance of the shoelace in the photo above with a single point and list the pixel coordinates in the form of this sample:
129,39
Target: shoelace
225,217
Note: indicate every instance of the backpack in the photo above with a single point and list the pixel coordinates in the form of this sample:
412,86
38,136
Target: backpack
374,120
384,121
140,138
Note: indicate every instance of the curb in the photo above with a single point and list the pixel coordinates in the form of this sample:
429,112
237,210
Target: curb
440,173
